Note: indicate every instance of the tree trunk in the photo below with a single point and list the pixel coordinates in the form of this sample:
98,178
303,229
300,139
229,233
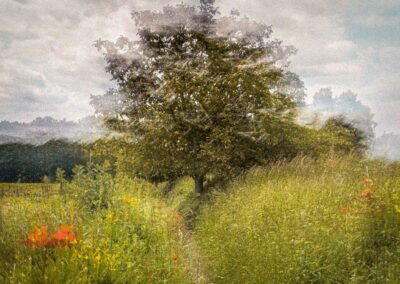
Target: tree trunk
199,184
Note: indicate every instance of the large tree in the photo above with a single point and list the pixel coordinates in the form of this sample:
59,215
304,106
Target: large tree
198,93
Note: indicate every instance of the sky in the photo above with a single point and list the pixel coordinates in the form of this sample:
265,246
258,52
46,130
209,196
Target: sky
49,66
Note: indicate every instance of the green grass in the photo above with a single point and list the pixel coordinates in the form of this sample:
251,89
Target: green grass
27,189
136,239
286,225
299,222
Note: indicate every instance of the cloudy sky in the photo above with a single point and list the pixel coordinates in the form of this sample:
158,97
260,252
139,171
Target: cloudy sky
48,65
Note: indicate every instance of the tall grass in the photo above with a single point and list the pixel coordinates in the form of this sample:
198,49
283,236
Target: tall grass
27,189
305,222
134,239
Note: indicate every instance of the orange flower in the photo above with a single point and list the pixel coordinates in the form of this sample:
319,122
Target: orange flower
344,209
175,257
368,181
38,238
366,192
41,238
157,205
64,236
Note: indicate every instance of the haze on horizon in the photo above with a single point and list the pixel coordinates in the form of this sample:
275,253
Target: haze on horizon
49,66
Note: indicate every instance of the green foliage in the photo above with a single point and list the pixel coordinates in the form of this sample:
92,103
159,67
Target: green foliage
60,178
305,222
345,137
92,186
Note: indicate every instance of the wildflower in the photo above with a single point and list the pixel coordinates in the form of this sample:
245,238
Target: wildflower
64,236
366,192
38,238
368,181
344,210
175,257
157,205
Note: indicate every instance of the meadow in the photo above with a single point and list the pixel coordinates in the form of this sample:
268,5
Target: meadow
28,189
335,220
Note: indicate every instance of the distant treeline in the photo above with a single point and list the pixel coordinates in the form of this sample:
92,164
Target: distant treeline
30,163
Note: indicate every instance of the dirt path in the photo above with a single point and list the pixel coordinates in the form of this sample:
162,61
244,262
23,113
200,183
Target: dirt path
196,271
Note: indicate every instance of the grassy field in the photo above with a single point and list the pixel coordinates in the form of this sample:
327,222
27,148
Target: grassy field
336,221
332,221
27,189
135,237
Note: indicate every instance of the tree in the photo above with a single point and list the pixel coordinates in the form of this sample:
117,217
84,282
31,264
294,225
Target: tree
29,163
198,94
348,107
345,136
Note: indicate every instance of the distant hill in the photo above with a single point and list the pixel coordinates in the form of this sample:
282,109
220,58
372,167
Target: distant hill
43,129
